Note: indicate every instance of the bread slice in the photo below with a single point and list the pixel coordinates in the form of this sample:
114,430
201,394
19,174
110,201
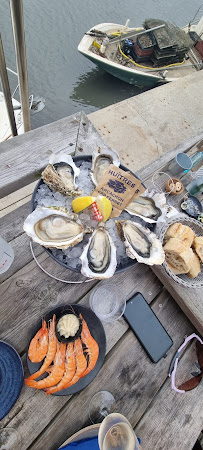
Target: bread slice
195,268
178,255
174,269
198,246
182,232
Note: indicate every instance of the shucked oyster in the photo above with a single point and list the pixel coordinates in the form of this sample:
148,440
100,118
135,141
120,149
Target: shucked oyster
150,209
101,160
60,175
140,242
54,228
99,255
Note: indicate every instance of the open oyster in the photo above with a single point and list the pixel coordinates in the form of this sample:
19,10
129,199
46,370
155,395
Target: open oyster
60,175
150,208
99,255
101,160
140,242
52,227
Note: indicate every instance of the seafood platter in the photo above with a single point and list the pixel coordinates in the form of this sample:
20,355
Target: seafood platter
77,241
66,350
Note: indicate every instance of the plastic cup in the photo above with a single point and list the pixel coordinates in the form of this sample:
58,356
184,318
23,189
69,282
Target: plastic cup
107,302
6,255
179,164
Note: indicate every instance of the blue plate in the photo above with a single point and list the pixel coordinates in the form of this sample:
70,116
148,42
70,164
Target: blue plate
191,206
11,377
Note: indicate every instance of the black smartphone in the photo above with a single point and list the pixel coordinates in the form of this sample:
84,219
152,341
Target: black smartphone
147,327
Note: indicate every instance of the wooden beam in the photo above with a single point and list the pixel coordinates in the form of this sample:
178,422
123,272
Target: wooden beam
23,157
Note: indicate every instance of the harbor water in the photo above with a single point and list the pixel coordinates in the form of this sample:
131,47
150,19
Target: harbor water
56,70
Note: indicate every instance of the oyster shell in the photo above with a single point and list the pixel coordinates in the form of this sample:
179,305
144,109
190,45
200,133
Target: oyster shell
52,227
99,255
60,175
140,242
101,160
151,208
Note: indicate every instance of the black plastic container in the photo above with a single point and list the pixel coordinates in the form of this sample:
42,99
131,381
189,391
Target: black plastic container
33,206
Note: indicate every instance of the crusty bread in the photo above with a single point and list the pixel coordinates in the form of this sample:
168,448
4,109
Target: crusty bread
178,255
174,269
182,232
195,267
198,246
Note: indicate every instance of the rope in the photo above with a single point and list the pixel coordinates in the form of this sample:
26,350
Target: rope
144,67
150,68
52,276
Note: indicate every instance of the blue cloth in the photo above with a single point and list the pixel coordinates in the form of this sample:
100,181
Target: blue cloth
84,444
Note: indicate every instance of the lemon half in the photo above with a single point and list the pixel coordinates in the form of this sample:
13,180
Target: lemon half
103,203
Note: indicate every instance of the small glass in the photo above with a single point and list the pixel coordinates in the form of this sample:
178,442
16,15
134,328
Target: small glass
107,302
101,405
10,439
179,164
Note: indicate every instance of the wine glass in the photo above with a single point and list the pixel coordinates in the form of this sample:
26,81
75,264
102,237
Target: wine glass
101,404
10,439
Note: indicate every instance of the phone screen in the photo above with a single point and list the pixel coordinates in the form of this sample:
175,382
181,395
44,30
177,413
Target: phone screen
147,327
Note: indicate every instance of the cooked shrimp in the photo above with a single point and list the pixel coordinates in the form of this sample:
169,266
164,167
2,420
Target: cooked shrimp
50,354
39,344
81,362
70,368
92,347
56,371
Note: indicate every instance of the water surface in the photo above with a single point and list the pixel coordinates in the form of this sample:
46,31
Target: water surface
56,70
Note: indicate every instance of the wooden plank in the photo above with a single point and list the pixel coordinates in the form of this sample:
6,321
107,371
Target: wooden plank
173,420
16,197
14,206
30,293
127,373
11,229
35,293
22,255
33,403
11,225
24,156
189,299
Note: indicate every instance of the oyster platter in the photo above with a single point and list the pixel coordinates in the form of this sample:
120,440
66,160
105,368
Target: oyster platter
63,218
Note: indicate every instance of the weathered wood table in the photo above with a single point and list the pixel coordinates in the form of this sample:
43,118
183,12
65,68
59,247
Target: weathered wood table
161,418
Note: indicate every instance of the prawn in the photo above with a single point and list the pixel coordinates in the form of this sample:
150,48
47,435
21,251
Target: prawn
81,362
39,344
92,347
70,368
55,372
52,347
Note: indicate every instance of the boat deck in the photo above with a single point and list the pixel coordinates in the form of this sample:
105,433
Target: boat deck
173,72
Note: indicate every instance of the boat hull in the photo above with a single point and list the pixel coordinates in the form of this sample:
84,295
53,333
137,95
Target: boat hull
130,77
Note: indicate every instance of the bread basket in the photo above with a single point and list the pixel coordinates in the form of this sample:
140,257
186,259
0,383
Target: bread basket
197,227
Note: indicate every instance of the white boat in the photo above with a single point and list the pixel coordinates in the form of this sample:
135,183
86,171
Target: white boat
36,104
106,45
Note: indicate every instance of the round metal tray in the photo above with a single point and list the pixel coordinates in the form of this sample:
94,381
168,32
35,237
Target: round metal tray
197,227
119,268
